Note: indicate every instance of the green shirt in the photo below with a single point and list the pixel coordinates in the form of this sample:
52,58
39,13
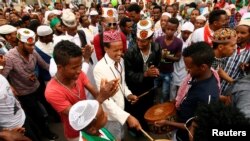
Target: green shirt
88,137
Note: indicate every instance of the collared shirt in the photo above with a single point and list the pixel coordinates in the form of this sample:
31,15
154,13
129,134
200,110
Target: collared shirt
232,66
114,107
46,48
20,70
158,33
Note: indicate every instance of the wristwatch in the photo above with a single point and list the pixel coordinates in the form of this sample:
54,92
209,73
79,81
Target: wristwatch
1,67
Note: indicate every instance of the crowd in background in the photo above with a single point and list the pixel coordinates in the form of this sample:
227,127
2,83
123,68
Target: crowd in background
55,56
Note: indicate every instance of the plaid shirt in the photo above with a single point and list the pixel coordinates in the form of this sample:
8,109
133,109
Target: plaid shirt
217,63
233,66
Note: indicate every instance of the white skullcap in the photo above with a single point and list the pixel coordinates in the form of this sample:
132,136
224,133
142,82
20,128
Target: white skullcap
7,29
201,17
44,30
187,26
93,13
245,19
26,35
69,18
82,113
166,14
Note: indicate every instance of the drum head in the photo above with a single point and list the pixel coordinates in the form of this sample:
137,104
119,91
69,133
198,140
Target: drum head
160,111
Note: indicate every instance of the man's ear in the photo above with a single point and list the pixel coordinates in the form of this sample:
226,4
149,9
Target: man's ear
59,67
105,49
204,67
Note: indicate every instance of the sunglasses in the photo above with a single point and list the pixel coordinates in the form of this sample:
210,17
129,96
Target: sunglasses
189,123
111,24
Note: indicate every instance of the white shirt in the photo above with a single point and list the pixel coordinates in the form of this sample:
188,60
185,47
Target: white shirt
46,48
11,112
198,35
114,107
94,29
89,34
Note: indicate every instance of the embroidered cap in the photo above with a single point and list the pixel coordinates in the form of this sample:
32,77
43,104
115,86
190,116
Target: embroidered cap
109,12
111,36
82,113
201,17
26,35
144,29
224,35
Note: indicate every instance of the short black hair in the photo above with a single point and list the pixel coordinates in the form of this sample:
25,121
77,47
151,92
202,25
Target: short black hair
174,21
157,7
215,116
64,50
134,7
200,52
215,15
123,21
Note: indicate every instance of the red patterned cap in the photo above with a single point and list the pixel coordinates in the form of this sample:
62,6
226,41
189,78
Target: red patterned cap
111,36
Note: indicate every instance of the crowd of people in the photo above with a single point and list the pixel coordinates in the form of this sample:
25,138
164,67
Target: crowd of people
97,67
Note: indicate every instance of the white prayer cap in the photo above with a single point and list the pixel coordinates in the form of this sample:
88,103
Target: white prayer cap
7,29
26,35
201,17
82,113
69,18
187,26
166,14
93,13
245,19
44,30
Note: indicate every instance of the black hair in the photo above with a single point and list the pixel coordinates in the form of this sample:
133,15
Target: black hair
25,18
123,21
34,23
107,45
158,7
193,5
56,4
134,7
64,50
215,15
174,21
218,116
200,52
19,23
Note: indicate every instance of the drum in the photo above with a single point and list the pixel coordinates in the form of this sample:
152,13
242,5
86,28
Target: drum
160,112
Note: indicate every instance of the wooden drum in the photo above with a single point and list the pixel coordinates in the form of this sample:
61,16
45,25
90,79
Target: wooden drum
160,112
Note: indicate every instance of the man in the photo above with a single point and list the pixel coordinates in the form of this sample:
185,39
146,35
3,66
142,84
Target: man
44,47
180,72
163,21
67,87
171,52
126,28
200,87
157,11
134,14
20,67
200,21
241,55
9,40
94,22
56,25
108,22
141,63
111,66
217,19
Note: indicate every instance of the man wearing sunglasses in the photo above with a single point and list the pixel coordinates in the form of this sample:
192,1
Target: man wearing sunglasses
108,22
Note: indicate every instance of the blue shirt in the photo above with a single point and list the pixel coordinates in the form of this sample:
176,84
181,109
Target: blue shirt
200,92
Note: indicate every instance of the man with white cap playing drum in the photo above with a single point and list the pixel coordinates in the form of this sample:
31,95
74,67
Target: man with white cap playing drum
20,67
88,117
141,63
